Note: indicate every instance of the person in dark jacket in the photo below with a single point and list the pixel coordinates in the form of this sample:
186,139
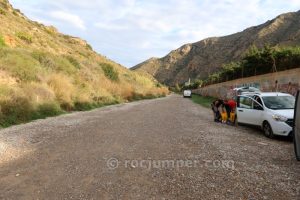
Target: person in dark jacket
215,106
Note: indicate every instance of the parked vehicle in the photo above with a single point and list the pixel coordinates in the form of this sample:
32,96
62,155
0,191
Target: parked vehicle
241,90
273,112
187,93
297,127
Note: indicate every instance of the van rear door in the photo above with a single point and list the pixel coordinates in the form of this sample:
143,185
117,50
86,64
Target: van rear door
297,127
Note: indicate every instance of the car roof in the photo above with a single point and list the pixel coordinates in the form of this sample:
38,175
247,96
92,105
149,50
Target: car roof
265,94
268,94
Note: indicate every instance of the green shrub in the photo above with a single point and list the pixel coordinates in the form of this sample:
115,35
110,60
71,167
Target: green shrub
110,72
16,111
19,64
61,64
89,47
2,42
2,12
44,59
150,96
25,37
49,109
15,13
74,62
82,106
67,106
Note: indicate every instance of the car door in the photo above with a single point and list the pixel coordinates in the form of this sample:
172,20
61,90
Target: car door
257,111
297,127
244,104
249,111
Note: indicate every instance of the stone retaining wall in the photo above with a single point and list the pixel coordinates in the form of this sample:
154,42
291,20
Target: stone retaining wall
286,81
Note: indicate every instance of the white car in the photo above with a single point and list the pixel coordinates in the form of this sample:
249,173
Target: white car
187,93
273,112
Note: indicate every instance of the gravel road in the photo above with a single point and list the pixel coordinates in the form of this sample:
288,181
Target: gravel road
165,148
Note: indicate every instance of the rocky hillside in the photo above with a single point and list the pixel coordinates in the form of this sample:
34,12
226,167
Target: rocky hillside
200,59
44,72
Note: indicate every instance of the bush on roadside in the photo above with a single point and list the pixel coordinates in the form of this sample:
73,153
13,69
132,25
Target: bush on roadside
82,106
15,111
49,109
63,89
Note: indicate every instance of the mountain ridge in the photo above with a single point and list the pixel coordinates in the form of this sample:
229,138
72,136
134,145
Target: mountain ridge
202,58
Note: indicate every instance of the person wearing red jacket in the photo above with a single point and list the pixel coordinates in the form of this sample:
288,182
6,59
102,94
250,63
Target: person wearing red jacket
232,104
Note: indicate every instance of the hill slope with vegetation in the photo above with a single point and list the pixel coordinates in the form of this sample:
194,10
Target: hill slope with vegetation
257,62
204,58
44,72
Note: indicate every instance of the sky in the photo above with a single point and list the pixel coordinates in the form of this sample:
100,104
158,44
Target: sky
131,31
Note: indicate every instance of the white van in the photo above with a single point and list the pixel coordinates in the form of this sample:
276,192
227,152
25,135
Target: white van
187,93
273,112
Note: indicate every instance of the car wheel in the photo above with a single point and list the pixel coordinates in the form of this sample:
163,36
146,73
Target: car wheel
268,130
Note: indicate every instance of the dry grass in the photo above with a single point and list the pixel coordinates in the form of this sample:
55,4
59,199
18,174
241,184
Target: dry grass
39,84
44,73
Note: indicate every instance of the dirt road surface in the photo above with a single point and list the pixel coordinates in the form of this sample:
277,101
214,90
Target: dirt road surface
165,148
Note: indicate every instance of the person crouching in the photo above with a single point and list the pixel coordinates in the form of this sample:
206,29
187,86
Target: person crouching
215,106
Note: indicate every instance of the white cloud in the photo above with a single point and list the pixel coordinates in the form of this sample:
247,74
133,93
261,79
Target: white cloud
130,31
110,26
69,18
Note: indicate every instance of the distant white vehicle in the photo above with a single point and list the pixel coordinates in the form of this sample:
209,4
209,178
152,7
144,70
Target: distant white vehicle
187,93
273,112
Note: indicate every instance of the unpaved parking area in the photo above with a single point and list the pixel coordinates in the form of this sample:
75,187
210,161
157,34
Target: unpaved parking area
165,148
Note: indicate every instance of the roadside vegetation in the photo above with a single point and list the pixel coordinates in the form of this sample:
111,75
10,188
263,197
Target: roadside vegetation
254,62
38,84
202,100
45,73
257,62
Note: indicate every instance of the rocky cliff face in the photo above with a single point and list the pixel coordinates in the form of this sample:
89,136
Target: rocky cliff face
202,58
